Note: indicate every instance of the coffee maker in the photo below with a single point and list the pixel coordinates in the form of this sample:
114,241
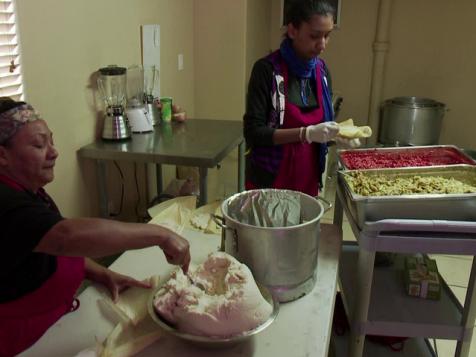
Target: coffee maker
112,88
151,92
136,109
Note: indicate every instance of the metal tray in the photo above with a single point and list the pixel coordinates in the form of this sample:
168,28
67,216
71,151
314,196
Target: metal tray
439,153
456,207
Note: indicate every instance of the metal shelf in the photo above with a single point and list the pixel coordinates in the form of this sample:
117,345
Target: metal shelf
414,347
381,305
400,315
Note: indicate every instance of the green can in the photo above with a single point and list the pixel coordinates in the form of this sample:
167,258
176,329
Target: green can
166,111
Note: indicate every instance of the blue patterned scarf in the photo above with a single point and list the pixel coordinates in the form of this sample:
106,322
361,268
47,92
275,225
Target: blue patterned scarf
303,70
300,68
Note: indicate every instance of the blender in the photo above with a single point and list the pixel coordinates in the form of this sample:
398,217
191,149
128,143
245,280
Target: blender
151,92
112,88
136,110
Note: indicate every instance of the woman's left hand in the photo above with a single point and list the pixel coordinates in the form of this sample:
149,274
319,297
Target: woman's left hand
113,281
116,283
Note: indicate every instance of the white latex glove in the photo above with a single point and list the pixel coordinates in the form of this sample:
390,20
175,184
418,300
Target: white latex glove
322,133
345,143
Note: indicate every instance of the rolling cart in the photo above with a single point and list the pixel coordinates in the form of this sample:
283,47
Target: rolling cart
374,297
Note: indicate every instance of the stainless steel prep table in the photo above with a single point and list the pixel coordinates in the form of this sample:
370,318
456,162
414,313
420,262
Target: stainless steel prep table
302,327
202,143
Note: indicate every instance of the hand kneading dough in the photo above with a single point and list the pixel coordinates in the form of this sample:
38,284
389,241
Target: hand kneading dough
348,130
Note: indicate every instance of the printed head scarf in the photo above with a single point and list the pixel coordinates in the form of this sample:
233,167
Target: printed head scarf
14,118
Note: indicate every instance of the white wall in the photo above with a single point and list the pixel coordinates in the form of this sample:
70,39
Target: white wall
64,42
432,52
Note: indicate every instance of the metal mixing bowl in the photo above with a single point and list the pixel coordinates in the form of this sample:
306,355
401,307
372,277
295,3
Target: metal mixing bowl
216,342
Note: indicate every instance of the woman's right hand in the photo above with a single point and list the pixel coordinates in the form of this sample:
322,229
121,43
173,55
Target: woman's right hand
176,250
322,133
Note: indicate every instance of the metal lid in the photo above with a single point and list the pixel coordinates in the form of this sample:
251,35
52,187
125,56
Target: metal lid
112,70
415,102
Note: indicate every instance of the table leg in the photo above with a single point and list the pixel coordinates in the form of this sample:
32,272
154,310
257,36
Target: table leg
469,315
202,200
338,210
241,166
365,270
158,178
102,188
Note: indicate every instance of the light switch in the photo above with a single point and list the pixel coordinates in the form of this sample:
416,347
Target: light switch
180,62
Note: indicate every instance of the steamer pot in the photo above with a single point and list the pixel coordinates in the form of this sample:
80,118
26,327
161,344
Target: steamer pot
284,259
412,121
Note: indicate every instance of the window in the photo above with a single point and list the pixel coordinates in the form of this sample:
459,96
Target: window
10,75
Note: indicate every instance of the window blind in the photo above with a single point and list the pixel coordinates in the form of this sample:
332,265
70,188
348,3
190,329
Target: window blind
10,69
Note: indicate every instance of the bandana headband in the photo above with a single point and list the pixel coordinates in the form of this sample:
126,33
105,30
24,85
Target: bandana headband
13,119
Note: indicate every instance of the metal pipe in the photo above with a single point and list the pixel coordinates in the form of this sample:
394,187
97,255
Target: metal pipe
380,49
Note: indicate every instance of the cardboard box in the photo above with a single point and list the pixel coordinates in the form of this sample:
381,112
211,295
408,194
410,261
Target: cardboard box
421,278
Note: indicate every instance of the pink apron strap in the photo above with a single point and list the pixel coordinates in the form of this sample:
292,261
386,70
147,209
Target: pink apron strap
298,170
9,182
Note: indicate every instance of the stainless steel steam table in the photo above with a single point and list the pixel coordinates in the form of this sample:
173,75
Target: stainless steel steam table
201,143
375,300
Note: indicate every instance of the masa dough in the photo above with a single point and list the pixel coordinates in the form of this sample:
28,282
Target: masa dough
348,130
222,301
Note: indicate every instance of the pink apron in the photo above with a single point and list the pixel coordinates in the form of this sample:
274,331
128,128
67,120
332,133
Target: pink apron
25,320
298,170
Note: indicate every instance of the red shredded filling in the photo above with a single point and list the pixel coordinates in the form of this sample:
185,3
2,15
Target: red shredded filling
373,159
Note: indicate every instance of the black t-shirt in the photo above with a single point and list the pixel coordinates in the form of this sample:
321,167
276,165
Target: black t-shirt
25,218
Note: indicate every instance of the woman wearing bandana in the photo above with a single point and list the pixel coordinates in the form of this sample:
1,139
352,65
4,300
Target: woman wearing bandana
42,260
289,116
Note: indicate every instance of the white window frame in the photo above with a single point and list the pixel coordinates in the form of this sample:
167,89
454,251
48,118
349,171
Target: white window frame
11,81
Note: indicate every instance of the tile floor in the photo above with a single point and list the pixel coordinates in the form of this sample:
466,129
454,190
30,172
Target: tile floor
455,269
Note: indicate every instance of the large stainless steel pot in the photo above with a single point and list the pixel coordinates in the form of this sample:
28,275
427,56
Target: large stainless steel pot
411,121
284,259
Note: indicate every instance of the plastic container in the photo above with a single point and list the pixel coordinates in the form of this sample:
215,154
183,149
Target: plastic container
166,111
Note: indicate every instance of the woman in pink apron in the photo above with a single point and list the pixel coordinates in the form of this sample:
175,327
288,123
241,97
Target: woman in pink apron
289,116
42,260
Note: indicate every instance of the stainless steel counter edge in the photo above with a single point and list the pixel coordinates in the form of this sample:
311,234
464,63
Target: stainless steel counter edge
92,152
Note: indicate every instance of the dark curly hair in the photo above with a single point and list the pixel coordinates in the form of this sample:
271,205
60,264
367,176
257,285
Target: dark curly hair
299,11
7,103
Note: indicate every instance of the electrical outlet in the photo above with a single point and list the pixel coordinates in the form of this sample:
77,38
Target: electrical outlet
180,62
